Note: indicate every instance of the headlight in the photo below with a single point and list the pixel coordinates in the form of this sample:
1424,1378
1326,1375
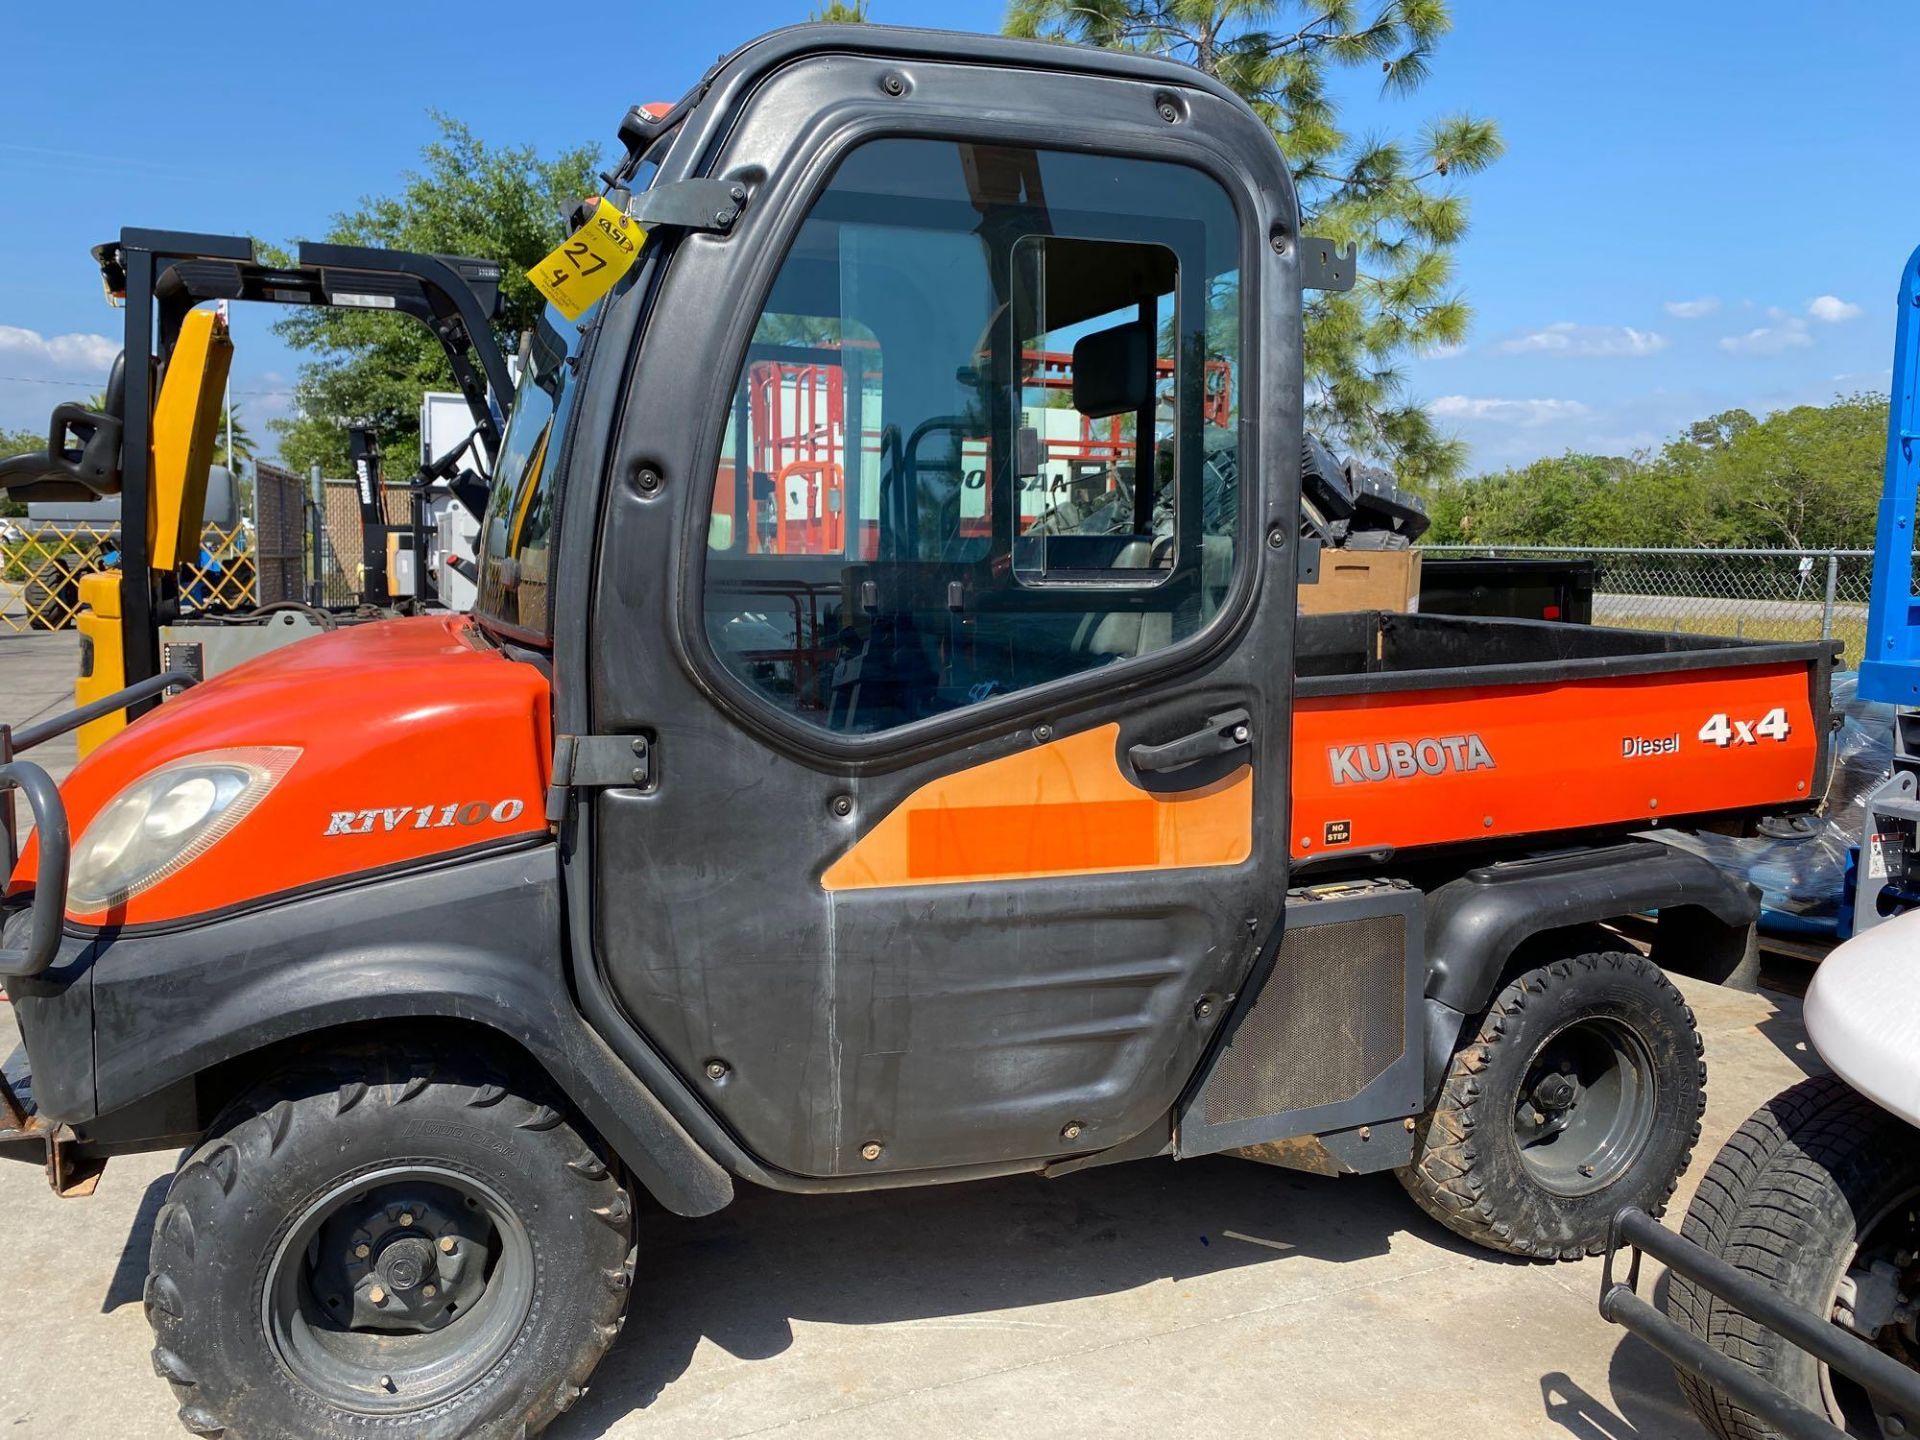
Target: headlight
166,820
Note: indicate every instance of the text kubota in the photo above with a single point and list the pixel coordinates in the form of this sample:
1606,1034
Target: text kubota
1398,759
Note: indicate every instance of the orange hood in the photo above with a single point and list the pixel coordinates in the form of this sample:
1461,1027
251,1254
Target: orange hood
414,739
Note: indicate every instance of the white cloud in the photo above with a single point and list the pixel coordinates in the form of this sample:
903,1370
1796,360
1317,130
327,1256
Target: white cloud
56,352
1790,334
1492,410
1567,338
1832,309
1692,309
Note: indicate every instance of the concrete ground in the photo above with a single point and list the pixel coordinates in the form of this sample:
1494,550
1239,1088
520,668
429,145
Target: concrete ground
1208,1298
36,683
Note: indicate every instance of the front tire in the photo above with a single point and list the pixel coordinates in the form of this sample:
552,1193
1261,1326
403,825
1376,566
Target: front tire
374,1248
1579,1091
1819,1187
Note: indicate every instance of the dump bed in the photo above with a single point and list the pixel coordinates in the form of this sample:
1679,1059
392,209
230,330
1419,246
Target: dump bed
1415,730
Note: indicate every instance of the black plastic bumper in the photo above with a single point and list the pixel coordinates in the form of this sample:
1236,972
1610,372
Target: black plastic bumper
1851,1356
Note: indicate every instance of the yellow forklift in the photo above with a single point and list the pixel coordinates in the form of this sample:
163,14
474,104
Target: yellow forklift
152,442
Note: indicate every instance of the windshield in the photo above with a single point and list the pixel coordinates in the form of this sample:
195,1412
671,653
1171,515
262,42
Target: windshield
515,535
523,500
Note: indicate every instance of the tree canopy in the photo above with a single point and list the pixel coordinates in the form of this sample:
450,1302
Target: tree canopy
468,198
1808,477
1397,199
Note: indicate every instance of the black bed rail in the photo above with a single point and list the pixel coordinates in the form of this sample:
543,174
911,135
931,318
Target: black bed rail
1882,1376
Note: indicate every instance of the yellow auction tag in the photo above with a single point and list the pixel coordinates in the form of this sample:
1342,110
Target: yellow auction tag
589,261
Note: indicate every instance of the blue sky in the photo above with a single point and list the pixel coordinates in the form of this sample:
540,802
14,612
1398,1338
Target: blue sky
1703,203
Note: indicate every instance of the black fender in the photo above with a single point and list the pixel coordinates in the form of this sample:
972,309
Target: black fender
478,941
1476,922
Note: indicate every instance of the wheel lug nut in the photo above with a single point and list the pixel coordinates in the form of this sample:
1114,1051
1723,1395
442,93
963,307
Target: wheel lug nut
377,1295
406,1219
361,1252
446,1244
429,1291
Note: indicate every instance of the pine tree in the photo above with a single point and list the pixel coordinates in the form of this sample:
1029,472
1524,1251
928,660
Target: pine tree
1398,200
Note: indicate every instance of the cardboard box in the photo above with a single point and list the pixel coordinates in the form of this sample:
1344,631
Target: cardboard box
1364,580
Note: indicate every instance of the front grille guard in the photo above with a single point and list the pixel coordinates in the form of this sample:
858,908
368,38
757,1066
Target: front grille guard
48,905
24,1132
1882,1376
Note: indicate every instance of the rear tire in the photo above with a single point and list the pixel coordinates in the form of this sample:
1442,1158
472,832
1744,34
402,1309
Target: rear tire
1579,1091
375,1248
52,598
1815,1175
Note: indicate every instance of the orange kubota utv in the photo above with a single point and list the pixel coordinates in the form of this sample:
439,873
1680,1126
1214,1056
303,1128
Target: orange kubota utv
886,751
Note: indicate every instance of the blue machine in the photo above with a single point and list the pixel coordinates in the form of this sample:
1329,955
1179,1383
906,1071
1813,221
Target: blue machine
1890,670
1886,883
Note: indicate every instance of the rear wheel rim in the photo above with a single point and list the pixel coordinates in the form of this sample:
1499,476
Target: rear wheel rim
1586,1106
398,1289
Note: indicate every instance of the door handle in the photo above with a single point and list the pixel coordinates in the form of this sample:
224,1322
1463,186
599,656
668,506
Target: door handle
1228,731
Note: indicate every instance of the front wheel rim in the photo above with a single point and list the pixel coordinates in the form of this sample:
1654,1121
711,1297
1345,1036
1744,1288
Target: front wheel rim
397,1289
1586,1105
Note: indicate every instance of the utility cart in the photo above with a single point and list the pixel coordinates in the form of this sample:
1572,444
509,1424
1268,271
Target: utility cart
853,777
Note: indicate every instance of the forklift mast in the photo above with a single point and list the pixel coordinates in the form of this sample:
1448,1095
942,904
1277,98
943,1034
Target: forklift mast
369,483
153,442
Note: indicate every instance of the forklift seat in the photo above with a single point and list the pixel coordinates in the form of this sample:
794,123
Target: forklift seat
86,470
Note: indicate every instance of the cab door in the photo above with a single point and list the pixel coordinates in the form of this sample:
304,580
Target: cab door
944,567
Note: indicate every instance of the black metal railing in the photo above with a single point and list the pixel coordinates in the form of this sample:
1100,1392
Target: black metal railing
1879,1374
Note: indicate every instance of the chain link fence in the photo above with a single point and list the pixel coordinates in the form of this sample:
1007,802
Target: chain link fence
291,549
41,565
279,535
339,555
1747,594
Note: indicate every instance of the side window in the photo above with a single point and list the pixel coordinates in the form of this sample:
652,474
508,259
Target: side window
983,437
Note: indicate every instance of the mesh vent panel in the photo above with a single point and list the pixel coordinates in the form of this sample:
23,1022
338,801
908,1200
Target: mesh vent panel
1328,1022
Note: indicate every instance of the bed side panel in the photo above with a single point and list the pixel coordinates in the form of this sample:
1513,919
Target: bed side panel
1407,768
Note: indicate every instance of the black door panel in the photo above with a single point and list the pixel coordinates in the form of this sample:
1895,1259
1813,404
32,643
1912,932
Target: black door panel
950,1026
